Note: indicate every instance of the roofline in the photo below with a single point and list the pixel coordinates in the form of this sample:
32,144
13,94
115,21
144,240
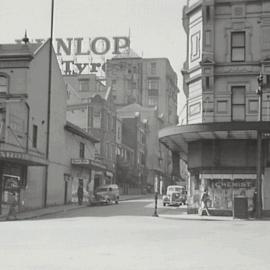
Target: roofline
80,132
215,126
41,46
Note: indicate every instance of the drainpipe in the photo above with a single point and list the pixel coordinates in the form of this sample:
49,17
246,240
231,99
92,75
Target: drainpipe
28,124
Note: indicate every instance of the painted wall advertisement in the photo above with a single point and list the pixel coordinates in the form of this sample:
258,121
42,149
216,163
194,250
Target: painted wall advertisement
79,55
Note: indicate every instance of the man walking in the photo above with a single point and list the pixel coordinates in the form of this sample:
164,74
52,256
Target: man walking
204,201
12,206
80,192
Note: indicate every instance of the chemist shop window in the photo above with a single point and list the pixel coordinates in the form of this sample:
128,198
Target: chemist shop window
82,150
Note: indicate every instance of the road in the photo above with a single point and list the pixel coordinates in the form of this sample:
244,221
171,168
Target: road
127,237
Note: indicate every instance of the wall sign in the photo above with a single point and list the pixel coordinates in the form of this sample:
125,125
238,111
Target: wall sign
80,55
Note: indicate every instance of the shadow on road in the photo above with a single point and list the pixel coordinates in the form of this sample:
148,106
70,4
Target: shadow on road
142,208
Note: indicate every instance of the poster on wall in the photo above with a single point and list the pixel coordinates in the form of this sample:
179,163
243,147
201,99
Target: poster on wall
11,182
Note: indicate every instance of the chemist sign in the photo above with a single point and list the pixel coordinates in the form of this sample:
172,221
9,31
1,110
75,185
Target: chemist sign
80,55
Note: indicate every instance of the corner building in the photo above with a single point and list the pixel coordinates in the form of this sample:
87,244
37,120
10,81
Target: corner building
228,45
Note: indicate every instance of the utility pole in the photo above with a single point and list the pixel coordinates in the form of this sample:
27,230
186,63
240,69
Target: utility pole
259,150
49,107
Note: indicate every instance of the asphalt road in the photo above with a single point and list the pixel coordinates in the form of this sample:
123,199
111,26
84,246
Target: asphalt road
127,237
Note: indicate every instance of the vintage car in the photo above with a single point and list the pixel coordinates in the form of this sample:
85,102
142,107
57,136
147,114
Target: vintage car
105,195
176,195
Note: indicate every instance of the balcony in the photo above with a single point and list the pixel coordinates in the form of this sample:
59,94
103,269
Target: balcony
14,123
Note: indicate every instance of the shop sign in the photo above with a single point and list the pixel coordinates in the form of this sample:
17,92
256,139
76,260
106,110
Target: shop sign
97,164
80,161
80,55
235,184
12,155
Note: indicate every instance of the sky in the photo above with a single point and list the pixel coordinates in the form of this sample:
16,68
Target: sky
155,26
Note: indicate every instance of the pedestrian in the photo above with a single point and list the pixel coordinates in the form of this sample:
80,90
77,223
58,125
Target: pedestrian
80,192
254,199
12,206
204,202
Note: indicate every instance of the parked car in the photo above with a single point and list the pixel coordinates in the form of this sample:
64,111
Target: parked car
176,195
105,194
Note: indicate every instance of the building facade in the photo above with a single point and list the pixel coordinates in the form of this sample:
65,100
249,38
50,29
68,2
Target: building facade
91,107
147,86
31,167
150,82
80,155
228,47
131,153
158,160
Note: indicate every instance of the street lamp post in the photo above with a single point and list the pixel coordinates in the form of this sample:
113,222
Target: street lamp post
156,197
259,150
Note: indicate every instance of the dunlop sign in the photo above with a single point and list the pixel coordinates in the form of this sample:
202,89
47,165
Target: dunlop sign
86,55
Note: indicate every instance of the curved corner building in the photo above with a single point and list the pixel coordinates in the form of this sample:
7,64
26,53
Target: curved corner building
228,46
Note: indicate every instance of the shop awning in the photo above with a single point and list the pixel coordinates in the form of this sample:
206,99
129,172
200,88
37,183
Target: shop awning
88,164
177,138
23,158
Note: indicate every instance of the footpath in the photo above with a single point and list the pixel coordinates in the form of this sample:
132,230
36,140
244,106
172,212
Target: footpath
35,213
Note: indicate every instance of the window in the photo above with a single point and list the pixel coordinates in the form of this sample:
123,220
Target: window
113,84
222,106
3,84
152,84
108,151
194,108
238,46
207,83
153,92
153,97
84,85
118,133
238,103
268,80
98,148
253,106
141,160
35,136
208,14
152,100
82,149
133,85
97,120
153,68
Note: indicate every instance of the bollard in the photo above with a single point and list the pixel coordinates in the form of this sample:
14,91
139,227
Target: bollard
155,212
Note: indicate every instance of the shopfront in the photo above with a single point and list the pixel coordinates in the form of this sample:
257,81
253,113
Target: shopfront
222,188
222,158
89,173
13,175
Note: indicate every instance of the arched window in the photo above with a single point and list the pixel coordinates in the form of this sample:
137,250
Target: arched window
3,84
